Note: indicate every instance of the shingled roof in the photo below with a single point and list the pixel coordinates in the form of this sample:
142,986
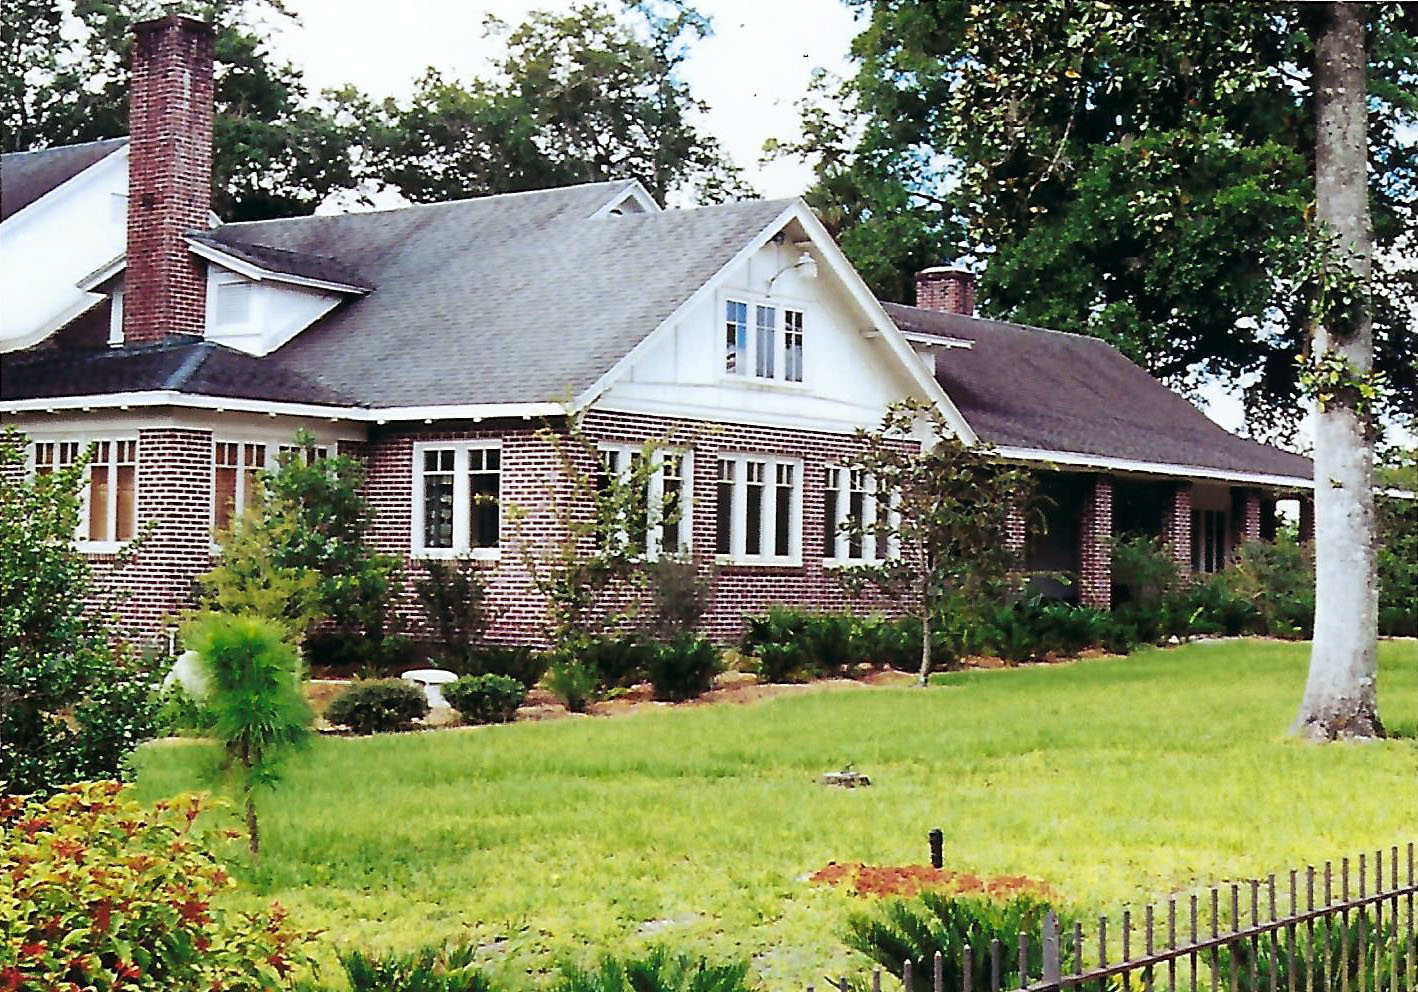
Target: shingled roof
515,298
179,364
323,268
1027,387
26,176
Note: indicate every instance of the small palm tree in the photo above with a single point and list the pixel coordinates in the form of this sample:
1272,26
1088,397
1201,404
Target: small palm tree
260,712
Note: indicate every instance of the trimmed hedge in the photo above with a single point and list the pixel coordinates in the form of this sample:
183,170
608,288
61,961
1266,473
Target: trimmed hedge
485,698
378,706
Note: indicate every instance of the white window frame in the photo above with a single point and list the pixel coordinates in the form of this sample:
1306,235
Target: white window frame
217,279
115,319
738,529
82,444
746,368
462,501
238,506
655,532
871,506
303,452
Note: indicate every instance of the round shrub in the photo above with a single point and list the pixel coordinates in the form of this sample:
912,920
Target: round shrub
378,706
684,667
486,698
104,893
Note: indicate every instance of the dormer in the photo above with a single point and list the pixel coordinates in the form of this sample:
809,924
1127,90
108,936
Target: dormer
633,199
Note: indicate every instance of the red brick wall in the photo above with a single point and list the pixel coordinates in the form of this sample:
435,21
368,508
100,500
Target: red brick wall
1177,526
1095,559
533,481
1245,516
169,177
947,289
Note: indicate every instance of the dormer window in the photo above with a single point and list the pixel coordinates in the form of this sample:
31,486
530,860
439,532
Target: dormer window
763,340
233,305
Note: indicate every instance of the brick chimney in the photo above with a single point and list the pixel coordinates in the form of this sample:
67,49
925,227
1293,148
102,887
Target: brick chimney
946,288
169,177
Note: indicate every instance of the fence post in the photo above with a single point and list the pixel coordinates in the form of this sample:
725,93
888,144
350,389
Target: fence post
1052,975
937,839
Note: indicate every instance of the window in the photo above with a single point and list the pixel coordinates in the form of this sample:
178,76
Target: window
736,338
109,513
659,520
306,455
457,499
850,495
234,302
793,345
776,341
759,512
236,464
1209,540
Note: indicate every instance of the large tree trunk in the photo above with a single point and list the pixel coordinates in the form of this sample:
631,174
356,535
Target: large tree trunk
1340,698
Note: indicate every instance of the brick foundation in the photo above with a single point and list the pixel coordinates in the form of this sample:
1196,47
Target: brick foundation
1095,557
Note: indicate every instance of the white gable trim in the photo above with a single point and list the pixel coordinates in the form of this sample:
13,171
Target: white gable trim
1083,460
65,317
79,178
881,324
257,273
635,192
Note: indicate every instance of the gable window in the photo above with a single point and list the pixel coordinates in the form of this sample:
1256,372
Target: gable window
850,496
1209,540
658,520
109,511
759,512
233,304
771,348
235,466
457,499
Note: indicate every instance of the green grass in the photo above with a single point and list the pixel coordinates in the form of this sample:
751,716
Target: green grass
1112,780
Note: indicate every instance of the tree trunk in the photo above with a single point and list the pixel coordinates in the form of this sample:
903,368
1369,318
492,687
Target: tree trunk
925,639
252,836
1340,698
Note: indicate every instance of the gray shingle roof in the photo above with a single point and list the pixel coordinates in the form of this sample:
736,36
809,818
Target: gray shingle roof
1028,387
184,364
293,263
26,176
503,299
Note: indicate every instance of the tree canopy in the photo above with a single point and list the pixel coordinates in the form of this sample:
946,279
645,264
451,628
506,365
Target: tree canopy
1139,172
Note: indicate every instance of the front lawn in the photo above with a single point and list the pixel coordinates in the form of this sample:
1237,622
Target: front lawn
1111,780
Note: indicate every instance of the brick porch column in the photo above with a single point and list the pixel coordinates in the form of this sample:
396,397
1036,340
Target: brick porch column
1245,527
1095,555
1014,536
1268,522
1177,527
1307,519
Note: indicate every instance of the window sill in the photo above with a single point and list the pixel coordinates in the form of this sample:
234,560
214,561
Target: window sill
835,563
453,554
731,562
768,385
100,547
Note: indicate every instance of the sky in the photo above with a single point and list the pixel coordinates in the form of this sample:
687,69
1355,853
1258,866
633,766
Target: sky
751,72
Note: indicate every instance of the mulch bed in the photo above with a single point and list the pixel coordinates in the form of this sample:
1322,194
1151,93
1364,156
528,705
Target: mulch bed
910,880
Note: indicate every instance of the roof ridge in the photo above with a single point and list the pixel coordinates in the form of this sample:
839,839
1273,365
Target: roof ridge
62,148
1011,324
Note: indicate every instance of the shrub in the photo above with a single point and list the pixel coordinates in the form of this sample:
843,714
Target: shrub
1276,583
681,595
916,929
351,652
573,682
515,661
430,969
179,713
809,644
1325,956
485,698
684,667
150,920
659,970
617,661
378,706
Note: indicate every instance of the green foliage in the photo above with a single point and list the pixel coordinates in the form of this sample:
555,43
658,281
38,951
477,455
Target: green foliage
618,660
448,968
179,713
1397,551
1354,952
572,681
100,892
1036,628
1139,172
583,95
356,653
915,930
378,706
517,661
791,645
254,682
659,970
56,659
453,595
485,698
951,503
681,594
1276,581
685,667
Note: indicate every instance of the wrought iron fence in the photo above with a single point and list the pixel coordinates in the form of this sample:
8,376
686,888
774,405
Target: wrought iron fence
1344,929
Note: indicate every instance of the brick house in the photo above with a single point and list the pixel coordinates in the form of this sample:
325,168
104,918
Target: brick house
435,340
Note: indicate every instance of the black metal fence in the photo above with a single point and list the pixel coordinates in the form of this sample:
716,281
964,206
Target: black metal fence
1348,928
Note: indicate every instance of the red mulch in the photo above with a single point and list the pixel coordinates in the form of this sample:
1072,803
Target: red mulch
910,880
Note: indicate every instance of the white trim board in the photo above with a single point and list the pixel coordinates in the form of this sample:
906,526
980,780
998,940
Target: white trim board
1081,460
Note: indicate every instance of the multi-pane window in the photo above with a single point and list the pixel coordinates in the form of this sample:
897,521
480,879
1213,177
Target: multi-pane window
771,347
759,512
236,465
766,329
1209,540
736,337
109,512
793,345
656,521
858,522
458,498
305,454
